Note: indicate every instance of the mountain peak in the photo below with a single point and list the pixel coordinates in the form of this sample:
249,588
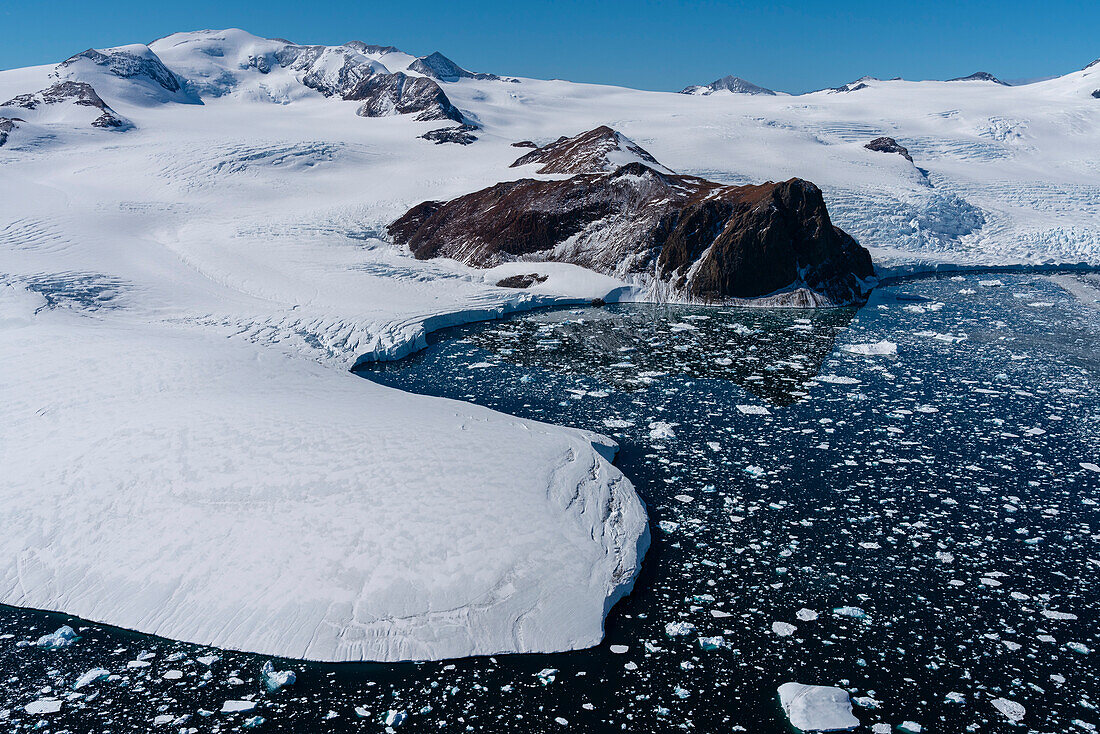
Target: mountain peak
594,151
728,83
979,76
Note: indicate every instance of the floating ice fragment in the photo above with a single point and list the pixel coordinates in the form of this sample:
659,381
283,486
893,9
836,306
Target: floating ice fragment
208,660
254,722
679,629
43,706
1078,647
867,350
817,708
991,283
712,643
620,649
617,423
668,526
547,675
806,615
753,410
836,380
659,430
90,677
273,679
1054,614
395,718
172,675
1013,711
853,612
755,471
783,629
910,726
63,637
1090,466
233,706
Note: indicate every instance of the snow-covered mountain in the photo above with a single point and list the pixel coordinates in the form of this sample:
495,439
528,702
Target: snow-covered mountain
734,84
199,227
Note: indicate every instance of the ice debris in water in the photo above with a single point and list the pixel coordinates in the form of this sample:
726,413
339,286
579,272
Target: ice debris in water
853,612
878,348
1090,466
233,706
783,629
90,677
43,706
679,629
1013,711
548,675
395,718
63,637
273,679
754,410
659,430
817,708
712,643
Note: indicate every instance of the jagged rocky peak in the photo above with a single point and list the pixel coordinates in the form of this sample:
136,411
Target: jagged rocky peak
55,102
979,76
370,49
438,66
684,237
398,94
734,84
331,70
889,145
593,151
132,72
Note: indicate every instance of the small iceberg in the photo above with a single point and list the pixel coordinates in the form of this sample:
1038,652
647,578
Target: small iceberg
869,350
273,679
91,677
63,637
817,708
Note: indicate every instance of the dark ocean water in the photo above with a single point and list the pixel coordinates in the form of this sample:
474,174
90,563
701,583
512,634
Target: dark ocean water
920,528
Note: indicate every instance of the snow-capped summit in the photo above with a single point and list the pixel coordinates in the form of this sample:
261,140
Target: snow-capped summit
979,76
594,151
734,84
438,66
132,73
70,103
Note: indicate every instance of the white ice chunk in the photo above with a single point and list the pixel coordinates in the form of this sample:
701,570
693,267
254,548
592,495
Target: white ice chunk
63,637
817,708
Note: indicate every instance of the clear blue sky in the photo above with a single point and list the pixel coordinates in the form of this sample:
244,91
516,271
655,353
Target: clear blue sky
649,45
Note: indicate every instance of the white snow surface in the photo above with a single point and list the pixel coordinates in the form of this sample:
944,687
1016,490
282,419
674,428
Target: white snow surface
184,451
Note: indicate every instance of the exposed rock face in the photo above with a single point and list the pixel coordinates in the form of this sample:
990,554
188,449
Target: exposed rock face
331,70
889,145
523,144
76,93
1096,94
595,151
685,237
979,76
371,49
7,124
734,84
521,281
127,65
438,66
461,135
389,94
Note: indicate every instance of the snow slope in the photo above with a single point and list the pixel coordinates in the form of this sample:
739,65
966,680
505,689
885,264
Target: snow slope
184,451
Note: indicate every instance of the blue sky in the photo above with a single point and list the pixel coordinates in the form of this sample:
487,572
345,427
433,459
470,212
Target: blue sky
650,45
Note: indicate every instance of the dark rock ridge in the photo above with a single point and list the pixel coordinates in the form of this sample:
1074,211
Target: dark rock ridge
521,281
524,144
979,76
1096,93
684,237
889,145
388,94
318,73
438,66
734,84
594,151
77,93
7,124
461,135
126,65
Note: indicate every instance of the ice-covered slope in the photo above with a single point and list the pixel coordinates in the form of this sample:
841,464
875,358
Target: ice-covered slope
204,279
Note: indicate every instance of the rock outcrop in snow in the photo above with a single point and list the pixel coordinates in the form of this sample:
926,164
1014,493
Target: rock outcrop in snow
143,74
889,145
594,151
438,66
979,76
734,84
67,102
401,94
7,125
687,238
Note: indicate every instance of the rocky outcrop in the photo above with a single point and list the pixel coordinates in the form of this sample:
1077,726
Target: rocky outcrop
388,94
734,84
594,151
127,65
979,76
523,144
7,124
79,94
684,237
525,280
889,145
461,135
438,66
331,70
1096,94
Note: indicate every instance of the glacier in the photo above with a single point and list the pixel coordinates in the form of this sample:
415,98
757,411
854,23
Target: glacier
182,295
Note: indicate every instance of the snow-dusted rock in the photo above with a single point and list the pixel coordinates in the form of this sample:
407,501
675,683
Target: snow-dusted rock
600,150
817,708
66,102
734,84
